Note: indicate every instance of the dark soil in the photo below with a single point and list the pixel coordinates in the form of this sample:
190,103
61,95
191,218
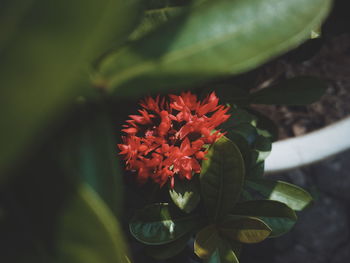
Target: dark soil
331,64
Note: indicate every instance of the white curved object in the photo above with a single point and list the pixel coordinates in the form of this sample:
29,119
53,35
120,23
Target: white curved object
310,148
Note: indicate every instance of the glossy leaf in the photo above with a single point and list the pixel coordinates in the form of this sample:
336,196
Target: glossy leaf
223,254
244,229
46,48
169,250
234,36
186,194
221,178
278,216
88,232
206,241
292,195
159,224
295,91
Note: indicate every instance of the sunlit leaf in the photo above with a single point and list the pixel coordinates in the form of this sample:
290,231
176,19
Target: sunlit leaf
292,195
244,229
278,216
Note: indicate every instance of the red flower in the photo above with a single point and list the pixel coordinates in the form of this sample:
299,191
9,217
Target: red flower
169,136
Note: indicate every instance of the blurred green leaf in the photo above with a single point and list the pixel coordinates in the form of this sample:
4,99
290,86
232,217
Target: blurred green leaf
292,195
186,194
206,241
234,36
244,229
221,178
88,232
159,224
89,152
45,54
278,216
155,18
295,91
169,250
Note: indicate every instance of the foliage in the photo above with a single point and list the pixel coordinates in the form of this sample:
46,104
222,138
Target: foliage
72,70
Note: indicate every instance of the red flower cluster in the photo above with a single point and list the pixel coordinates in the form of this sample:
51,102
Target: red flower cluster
169,136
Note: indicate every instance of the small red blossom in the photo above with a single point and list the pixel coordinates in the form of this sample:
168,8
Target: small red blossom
169,136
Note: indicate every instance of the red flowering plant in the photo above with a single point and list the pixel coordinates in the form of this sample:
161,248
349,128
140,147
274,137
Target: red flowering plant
169,137
209,160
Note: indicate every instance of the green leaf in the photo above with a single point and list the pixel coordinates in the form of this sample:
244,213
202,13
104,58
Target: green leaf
186,194
214,40
292,195
88,232
206,241
262,148
295,91
154,19
46,49
221,178
265,126
89,152
159,224
244,229
278,216
242,144
169,250
223,254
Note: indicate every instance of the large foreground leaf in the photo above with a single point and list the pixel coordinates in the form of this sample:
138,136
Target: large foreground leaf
216,39
159,224
221,178
46,48
88,232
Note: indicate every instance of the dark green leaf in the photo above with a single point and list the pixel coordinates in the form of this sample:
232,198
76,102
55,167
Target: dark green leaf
295,91
169,250
46,48
244,229
88,232
223,254
89,152
221,178
159,224
278,216
186,194
216,39
262,148
256,171
265,126
206,241
292,195
242,144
